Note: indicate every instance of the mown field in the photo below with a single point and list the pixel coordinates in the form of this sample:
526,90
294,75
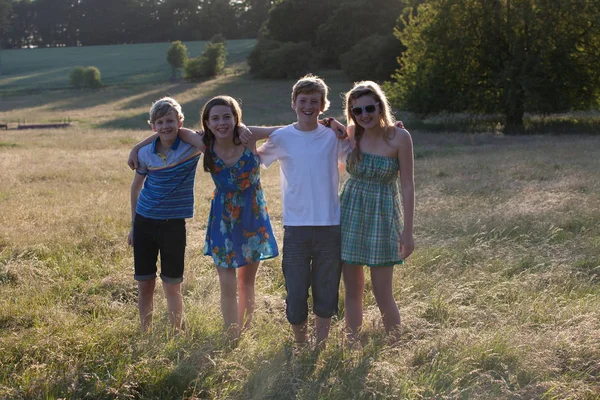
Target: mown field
499,301
49,68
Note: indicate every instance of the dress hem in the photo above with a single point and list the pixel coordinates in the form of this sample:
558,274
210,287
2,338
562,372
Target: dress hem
384,264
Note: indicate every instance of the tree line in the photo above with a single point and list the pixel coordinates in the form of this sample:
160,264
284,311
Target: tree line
506,57
103,22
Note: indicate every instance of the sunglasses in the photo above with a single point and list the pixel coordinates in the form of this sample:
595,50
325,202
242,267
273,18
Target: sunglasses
370,109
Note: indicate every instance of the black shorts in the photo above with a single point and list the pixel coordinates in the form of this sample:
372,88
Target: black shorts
153,236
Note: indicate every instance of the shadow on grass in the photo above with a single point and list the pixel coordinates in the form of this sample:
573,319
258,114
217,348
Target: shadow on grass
287,374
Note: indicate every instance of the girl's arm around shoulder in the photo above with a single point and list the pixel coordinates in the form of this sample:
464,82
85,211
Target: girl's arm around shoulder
192,137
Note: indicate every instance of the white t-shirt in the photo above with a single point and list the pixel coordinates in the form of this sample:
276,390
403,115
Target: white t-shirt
309,177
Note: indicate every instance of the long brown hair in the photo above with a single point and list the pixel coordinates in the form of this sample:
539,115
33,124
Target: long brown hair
386,118
209,137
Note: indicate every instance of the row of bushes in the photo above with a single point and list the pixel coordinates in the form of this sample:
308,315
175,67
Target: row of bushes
374,58
210,63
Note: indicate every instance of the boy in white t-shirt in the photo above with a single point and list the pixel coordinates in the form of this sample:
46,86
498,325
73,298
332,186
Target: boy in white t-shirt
308,155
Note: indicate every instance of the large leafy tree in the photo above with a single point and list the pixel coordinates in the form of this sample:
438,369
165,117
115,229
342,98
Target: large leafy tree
56,21
353,21
507,56
252,14
298,20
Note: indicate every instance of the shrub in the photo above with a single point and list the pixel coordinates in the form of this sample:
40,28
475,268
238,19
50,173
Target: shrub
258,57
210,63
277,60
85,77
372,58
92,78
76,77
218,38
177,56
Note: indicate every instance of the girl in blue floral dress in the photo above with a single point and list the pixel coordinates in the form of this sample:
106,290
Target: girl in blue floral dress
239,233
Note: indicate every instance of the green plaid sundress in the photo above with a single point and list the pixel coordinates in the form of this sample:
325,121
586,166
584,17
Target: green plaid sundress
371,217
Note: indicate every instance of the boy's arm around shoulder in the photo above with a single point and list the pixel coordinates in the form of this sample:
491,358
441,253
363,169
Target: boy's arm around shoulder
269,150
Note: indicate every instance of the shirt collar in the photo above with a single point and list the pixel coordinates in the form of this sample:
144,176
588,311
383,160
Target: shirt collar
173,147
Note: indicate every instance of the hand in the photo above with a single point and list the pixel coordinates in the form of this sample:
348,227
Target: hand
339,129
407,244
130,237
245,134
132,161
399,124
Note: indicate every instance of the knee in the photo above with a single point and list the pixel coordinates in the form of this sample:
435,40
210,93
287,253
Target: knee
146,288
172,289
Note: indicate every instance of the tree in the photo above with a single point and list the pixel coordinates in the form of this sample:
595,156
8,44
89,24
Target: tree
252,15
56,21
500,56
22,31
298,20
372,58
177,56
5,9
353,21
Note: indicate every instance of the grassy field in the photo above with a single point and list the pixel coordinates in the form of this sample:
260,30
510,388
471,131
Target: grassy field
49,68
499,301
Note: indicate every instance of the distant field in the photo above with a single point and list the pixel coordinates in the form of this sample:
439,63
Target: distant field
130,63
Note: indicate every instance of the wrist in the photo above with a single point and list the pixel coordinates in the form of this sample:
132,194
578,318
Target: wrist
327,121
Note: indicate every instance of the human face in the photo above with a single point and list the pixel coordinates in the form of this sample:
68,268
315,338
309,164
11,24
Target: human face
369,111
167,126
221,122
308,106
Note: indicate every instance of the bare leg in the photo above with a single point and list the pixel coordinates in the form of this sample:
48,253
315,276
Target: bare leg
174,303
146,303
229,304
322,330
381,277
354,286
300,332
246,279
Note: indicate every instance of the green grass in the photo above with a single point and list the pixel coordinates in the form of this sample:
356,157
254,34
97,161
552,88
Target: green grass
49,68
501,299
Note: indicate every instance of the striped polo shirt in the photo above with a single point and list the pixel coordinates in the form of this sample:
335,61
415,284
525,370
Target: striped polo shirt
168,191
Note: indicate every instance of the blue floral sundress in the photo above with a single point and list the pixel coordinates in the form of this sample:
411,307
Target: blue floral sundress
239,230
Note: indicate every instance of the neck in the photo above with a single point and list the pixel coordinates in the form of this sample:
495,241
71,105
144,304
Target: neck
164,145
375,131
306,126
225,144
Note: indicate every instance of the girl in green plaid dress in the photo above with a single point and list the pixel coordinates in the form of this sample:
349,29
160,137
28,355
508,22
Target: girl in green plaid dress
376,220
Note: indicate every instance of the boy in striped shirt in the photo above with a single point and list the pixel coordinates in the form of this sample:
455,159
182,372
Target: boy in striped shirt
162,196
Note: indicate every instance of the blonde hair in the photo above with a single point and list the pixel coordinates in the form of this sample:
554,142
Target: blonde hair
311,84
161,107
386,118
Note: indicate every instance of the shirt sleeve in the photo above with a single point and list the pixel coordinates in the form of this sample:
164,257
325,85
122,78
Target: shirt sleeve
343,148
142,168
268,152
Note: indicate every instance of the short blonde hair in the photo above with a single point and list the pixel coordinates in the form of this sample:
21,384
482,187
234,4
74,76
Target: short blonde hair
161,107
311,84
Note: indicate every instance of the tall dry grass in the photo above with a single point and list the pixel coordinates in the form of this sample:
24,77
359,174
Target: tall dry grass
499,301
